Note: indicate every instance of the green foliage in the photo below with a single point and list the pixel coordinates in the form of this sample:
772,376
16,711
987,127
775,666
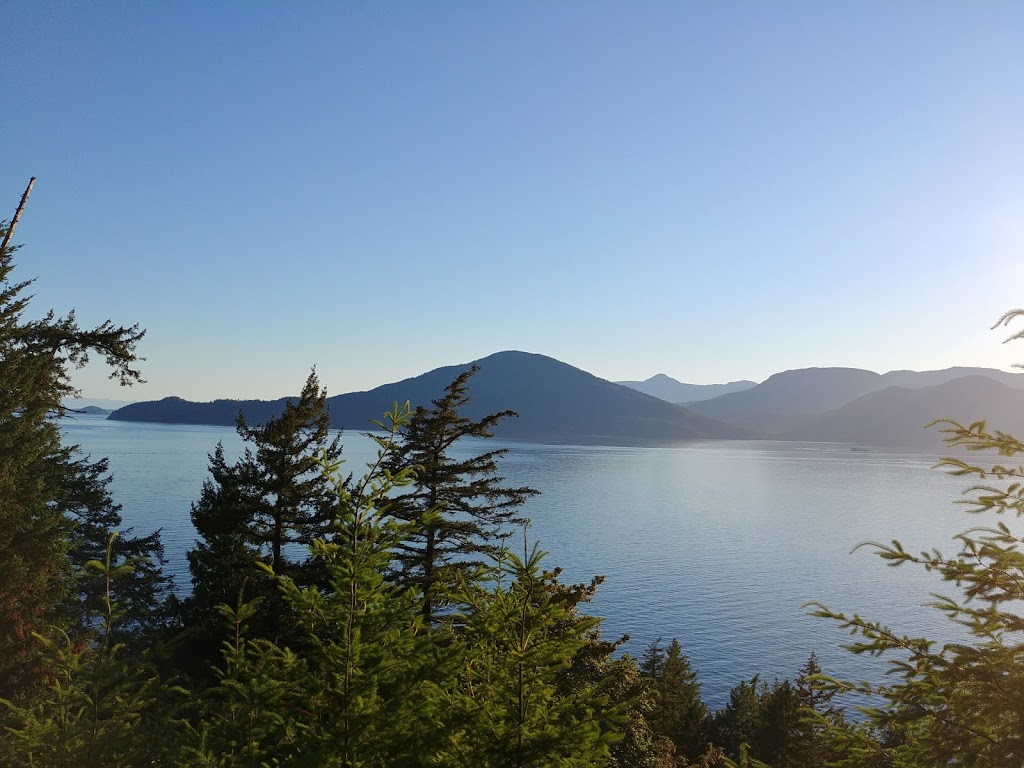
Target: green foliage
743,759
738,723
679,714
54,508
496,682
249,512
98,707
516,634
455,507
142,591
809,737
640,746
959,704
347,698
785,725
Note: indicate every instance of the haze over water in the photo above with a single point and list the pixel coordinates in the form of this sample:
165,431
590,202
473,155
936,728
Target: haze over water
718,543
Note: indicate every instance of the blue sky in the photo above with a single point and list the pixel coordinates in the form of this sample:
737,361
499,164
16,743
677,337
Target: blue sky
711,190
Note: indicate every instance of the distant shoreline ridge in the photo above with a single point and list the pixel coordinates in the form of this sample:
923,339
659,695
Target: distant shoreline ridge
558,403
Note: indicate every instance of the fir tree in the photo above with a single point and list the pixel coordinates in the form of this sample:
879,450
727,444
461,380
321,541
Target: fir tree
812,745
52,501
679,715
737,724
100,707
253,510
349,696
517,634
780,723
143,592
456,506
640,746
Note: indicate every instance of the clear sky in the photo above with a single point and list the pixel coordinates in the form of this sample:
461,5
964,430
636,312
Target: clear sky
713,190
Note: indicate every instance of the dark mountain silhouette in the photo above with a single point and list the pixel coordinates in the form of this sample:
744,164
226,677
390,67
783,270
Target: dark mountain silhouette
896,416
786,401
555,401
666,388
175,410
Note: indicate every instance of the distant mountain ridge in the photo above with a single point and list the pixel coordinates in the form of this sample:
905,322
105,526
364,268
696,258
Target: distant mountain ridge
897,416
671,390
785,402
556,402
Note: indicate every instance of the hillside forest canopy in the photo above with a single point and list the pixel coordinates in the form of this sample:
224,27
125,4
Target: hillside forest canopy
418,627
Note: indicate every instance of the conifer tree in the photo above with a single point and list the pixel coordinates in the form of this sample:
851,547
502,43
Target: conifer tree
456,506
517,634
780,723
143,592
349,697
738,723
253,510
100,706
679,715
640,746
51,500
811,742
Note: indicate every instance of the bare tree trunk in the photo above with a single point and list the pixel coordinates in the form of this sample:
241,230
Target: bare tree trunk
17,214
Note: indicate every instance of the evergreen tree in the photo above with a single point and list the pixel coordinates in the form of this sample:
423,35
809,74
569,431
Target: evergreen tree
251,511
961,704
295,500
640,746
456,506
743,759
222,560
811,741
143,592
350,695
738,723
780,723
517,635
100,707
680,715
48,493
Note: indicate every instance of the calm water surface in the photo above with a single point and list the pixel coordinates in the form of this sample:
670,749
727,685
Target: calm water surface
718,543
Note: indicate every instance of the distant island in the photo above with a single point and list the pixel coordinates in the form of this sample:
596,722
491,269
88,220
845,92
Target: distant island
92,410
558,403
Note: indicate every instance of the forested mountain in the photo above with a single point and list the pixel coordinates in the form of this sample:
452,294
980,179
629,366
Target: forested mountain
555,402
671,390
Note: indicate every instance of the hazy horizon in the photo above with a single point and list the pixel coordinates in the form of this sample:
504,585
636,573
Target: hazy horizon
712,192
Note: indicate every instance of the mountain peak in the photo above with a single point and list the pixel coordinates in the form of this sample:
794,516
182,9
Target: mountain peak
556,403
